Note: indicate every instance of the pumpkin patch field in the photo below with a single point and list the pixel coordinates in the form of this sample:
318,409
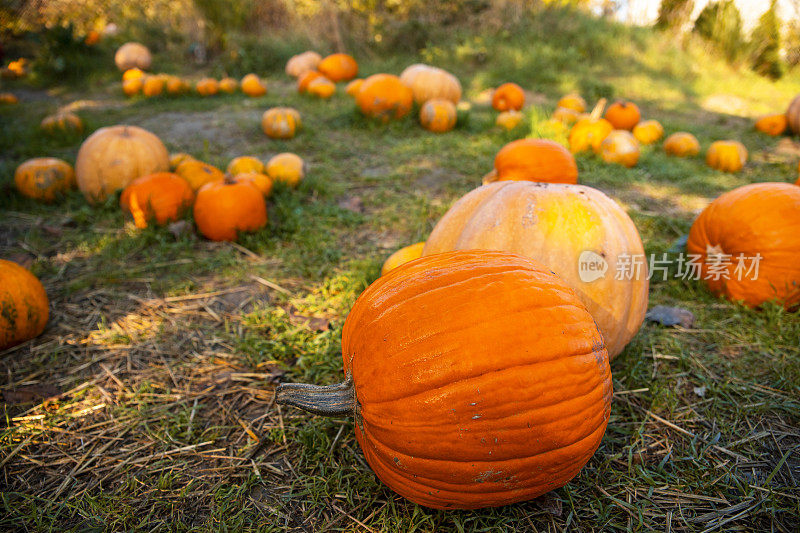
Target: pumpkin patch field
523,269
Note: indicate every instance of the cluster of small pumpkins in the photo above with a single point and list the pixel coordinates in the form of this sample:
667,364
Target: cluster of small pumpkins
136,81
160,188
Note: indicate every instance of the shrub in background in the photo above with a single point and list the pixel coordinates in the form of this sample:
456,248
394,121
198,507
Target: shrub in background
721,24
674,14
766,44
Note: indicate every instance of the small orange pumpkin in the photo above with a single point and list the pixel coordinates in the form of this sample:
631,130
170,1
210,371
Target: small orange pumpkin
306,78
132,87
228,85
132,74
162,197
244,163
438,115
63,122
281,122
253,86
321,87
385,97
287,167
573,102
727,156
177,158
590,131
508,120
402,256
682,144
623,115
152,86
353,87
648,131
225,208
174,85
261,181
207,87
772,124
8,98
507,97
24,307
44,178
338,67
302,63
748,241
620,147
197,173
540,160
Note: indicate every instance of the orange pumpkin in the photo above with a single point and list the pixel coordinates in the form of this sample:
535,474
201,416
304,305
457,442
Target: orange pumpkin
508,120
177,158
353,87
793,115
245,163
24,307
207,87
260,181
133,86
302,63
727,156
287,167
321,87
44,178
444,421
438,115
253,86
63,122
8,98
648,131
174,85
508,96
306,78
620,147
152,86
163,197
682,144
578,232
228,85
225,208
92,38
281,122
196,173
772,124
338,67
623,115
402,256
132,74
384,96
431,83
748,244
110,158
573,102
534,160
133,55
590,131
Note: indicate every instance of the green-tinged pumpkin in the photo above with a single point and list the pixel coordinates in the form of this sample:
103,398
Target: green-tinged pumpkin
44,178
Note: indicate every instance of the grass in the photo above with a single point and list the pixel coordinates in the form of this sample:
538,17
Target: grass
162,352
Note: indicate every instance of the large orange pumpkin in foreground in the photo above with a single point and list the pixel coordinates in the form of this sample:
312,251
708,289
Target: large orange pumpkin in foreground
476,379
225,208
162,197
133,55
578,232
759,219
112,157
24,308
338,67
533,160
385,97
44,178
508,96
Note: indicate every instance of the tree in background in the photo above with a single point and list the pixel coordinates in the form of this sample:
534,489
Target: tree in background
721,24
766,44
674,14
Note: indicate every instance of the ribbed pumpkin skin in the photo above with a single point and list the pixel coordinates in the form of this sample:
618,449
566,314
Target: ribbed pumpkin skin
481,380
112,157
535,160
555,224
761,218
338,67
64,122
385,97
623,115
429,83
222,209
44,178
24,308
162,197
402,256
793,115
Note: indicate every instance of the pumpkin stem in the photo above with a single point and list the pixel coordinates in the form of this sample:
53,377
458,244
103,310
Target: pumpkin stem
327,400
597,112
